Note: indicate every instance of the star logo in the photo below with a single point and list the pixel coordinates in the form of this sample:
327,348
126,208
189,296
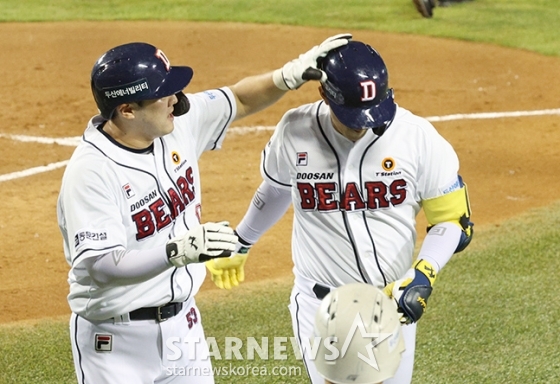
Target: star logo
376,339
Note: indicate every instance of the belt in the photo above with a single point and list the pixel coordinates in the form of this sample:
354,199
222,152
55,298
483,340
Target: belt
159,314
321,291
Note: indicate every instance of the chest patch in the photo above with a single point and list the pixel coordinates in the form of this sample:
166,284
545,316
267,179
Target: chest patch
388,164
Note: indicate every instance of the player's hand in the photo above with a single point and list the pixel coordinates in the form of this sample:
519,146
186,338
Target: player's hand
411,293
296,72
228,272
201,244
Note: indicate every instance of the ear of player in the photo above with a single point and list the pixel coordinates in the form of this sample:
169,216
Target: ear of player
202,243
411,293
296,72
228,272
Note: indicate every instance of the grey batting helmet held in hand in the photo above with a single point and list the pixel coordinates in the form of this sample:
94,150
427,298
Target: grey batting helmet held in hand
360,334
134,72
357,87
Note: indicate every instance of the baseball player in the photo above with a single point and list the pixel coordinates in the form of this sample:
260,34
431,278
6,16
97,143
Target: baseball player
358,168
129,211
359,334
425,7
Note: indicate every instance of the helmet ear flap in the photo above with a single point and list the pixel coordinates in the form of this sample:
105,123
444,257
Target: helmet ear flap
380,130
182,105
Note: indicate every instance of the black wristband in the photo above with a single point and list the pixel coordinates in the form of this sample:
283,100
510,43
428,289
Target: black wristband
241,240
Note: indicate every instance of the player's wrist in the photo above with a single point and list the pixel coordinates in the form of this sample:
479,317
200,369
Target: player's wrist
426,270
242,246
278,79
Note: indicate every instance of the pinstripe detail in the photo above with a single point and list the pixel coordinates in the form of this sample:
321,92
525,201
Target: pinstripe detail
344,216
78,349
299,335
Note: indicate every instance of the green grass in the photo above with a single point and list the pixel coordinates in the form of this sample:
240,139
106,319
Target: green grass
531,25
493,318
36,353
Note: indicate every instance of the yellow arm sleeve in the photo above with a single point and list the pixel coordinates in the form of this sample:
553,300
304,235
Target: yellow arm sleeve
452,207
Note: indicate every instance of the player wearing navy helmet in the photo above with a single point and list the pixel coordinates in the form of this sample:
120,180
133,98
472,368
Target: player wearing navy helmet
358,168
129,211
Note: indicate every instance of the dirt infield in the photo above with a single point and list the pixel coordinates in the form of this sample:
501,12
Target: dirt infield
510,164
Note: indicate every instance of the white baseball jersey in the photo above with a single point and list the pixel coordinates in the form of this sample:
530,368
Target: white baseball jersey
355,204
117,198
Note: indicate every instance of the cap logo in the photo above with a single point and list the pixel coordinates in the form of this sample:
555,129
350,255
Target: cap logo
368,90
160,55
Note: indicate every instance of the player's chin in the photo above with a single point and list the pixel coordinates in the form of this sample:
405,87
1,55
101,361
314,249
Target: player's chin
169,126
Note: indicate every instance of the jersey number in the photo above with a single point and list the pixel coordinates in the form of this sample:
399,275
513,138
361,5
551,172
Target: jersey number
192,318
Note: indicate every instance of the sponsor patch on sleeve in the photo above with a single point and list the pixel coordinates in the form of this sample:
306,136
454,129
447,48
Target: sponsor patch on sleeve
453,187
93,236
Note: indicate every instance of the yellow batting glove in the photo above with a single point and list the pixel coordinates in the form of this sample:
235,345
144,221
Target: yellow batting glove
227,272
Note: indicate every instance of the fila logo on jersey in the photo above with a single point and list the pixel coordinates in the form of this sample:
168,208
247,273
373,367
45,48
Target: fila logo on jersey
128,191
301,159
103,343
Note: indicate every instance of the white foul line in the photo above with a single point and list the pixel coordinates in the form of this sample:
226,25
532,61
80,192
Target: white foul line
33,171
66,141
494,115
73,141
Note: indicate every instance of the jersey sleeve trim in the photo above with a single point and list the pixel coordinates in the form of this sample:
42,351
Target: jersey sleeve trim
89,252
272,179
228,122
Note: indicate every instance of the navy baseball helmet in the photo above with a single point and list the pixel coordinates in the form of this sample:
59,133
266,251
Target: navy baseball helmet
134,72
357,87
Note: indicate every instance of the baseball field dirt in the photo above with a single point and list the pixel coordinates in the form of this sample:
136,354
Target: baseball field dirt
509,163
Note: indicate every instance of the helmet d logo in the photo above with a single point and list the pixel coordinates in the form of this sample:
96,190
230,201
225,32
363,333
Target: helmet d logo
368,90
160,55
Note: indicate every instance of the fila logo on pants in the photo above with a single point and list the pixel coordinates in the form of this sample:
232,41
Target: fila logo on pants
103,343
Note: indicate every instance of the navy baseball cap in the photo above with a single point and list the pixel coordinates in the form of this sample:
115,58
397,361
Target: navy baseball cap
357,87
134,72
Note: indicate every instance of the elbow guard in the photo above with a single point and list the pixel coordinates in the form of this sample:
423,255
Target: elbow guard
452,207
